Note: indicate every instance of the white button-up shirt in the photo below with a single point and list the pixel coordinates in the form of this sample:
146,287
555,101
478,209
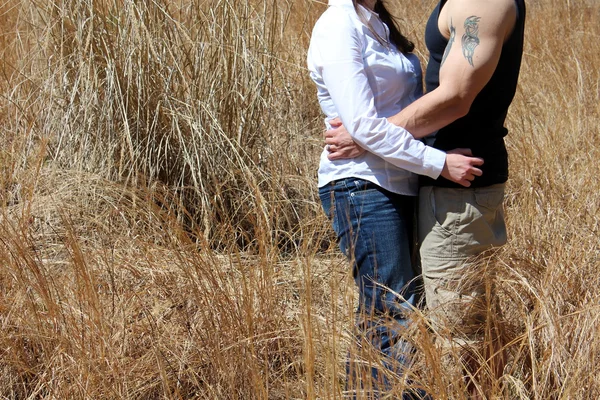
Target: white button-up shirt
363,82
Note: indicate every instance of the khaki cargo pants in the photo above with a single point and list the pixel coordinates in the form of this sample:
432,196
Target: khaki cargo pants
455,226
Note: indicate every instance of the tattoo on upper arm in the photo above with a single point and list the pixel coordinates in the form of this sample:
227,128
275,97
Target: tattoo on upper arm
470,39
450,41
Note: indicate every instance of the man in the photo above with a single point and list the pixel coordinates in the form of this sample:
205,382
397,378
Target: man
475,55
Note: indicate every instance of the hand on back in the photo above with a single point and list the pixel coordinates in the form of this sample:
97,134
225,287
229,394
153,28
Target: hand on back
340,144
461,167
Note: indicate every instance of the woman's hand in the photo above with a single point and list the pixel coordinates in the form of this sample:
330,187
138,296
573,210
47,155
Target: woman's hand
340,144
461,167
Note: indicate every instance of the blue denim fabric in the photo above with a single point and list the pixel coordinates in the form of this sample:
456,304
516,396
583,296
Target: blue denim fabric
375,231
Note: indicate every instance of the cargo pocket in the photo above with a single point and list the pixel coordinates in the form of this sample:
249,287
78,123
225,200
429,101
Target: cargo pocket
436,225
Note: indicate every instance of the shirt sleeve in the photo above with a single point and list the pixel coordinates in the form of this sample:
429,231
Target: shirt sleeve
338,46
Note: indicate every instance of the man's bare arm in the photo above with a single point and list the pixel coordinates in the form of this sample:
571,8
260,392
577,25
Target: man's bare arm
477,30
460,166
465,70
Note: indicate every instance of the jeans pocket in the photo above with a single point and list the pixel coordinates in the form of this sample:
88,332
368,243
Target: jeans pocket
361,187
366,199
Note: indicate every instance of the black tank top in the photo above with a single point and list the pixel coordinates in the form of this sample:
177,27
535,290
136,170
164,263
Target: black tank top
482,129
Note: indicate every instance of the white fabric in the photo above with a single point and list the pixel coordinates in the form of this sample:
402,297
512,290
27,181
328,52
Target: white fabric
363,82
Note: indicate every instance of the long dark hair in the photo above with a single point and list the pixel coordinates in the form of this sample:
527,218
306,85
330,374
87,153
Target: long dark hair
396,37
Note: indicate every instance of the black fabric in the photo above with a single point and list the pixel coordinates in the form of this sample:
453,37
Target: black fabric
482,129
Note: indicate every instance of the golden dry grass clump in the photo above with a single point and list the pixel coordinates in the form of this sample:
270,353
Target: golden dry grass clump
160,235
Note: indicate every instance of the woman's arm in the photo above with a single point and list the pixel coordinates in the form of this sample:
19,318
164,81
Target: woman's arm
337,65
460,165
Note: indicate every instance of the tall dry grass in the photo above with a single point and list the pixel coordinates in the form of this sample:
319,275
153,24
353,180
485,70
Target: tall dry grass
195,95
160,236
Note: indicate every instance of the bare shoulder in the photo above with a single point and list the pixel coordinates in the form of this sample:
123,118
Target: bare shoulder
499,15
500,7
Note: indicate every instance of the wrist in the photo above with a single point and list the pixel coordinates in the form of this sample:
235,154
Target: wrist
434,162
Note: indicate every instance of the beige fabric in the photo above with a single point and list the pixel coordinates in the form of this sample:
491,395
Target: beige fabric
456,226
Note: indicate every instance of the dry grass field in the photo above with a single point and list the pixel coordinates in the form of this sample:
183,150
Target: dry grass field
160,233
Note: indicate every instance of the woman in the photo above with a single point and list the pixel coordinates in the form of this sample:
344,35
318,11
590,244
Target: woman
364,71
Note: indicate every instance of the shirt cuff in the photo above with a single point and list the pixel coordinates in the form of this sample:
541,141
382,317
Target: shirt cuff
433,162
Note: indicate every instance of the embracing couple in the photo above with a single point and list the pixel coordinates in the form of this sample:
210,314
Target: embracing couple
446,146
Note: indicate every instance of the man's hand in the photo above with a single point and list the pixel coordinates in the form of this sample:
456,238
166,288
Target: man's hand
340,144
461,167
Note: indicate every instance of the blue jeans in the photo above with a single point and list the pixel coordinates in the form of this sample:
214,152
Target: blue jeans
375,231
